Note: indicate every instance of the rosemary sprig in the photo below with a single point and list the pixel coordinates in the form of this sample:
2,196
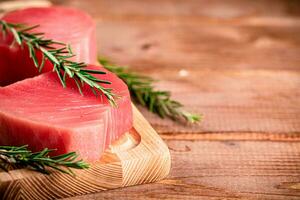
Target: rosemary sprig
20,157
143,92
59,55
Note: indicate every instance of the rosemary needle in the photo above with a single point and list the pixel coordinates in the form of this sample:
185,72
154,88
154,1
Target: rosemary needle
18,157
142,90
59,55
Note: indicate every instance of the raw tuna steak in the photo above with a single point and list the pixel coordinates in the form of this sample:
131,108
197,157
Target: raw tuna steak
38,111
41,113
68,25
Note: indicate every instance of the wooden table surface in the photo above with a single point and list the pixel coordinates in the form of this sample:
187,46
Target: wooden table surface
237,63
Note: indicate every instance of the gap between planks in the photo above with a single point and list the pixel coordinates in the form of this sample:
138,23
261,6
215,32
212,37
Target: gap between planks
237,136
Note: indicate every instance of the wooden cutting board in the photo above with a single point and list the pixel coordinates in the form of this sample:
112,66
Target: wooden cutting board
140,156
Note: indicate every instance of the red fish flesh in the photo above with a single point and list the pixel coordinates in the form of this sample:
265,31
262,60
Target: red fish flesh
38,111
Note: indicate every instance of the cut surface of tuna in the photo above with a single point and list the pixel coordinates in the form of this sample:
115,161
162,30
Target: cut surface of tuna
39,112
67,25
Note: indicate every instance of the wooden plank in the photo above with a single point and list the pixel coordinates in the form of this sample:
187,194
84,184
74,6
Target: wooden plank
235,102
223,170
139,157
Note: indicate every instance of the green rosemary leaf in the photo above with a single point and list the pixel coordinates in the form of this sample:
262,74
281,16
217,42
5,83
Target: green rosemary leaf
42,63
94,91
57,42
101,81
25,29
140,99
61,78
58,50
14,25
63,157
64,76
69,72
50,56
93,71
151,102
72,157
16,36
4,27
60,169
41,153
38,34
78,86
143,92
69,49
32,54
96,79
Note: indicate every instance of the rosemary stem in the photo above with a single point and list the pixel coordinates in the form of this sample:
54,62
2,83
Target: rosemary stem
59,54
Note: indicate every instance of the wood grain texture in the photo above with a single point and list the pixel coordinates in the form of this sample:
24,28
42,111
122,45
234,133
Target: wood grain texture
140,156
235,61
